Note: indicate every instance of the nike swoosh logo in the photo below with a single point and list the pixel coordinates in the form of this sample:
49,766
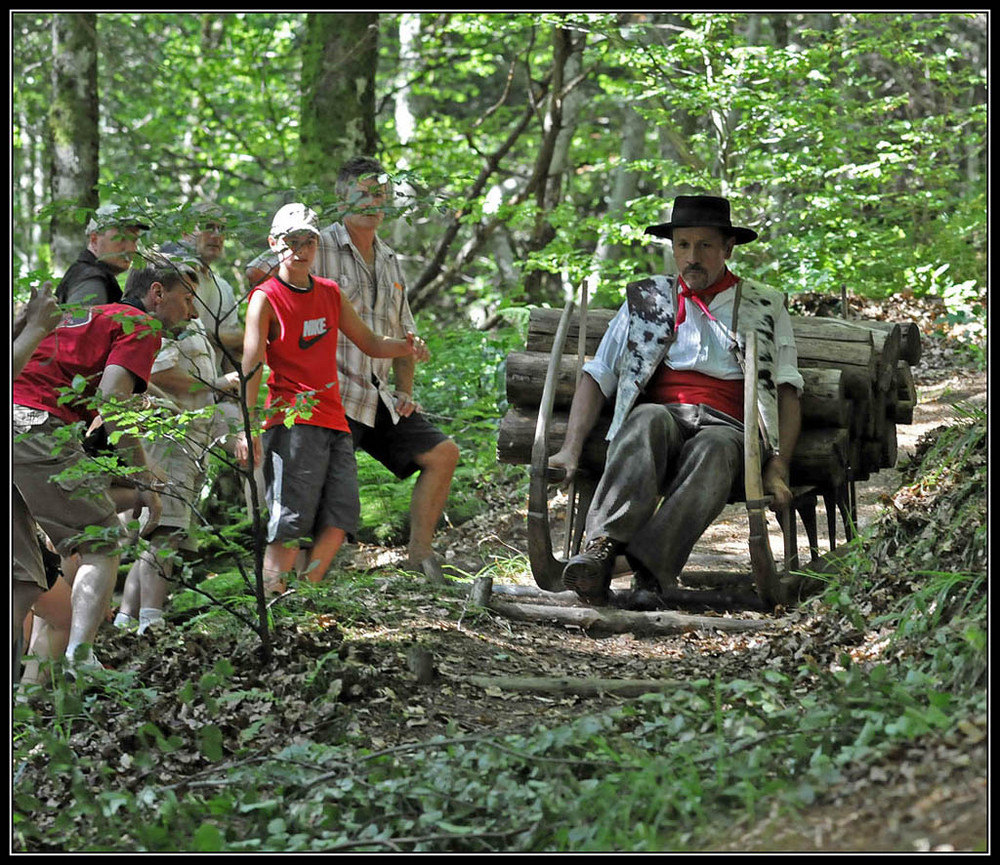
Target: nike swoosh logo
311,341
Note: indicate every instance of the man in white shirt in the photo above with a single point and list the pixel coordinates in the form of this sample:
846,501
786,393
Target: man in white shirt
671,361
218,311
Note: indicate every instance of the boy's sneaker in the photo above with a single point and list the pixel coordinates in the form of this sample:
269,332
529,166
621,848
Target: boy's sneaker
152,625
125,622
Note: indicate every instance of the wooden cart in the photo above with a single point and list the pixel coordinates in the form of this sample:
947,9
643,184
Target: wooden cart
858,386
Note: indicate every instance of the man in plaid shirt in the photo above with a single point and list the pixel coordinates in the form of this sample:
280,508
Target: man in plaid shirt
385,420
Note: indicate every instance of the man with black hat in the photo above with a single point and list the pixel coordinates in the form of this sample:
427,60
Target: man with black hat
671,359
112,234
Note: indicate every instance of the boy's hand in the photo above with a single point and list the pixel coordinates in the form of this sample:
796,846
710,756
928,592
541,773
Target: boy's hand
243,450
418,348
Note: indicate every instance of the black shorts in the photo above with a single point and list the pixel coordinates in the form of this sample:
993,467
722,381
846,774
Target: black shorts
312,482
397,445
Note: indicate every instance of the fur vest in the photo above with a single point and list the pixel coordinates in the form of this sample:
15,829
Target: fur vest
652,307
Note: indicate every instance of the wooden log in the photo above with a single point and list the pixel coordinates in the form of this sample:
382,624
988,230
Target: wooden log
837,329
885,342
856,356
517,430
604,620
890,448
542,324
859,389
526,375
906,394
823,399
820,458
910,349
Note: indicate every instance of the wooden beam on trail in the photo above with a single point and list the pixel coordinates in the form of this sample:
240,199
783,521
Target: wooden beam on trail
566,686
606,620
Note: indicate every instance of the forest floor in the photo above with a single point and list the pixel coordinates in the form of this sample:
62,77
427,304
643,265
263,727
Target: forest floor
932,796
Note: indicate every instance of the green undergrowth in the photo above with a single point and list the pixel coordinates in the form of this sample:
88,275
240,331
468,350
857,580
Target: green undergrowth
242,756
645,777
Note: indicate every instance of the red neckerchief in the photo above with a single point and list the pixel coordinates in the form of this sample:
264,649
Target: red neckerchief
727,280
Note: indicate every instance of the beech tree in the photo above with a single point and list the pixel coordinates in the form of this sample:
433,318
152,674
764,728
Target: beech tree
73,130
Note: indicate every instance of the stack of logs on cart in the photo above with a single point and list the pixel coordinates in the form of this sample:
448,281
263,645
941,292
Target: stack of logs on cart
858,387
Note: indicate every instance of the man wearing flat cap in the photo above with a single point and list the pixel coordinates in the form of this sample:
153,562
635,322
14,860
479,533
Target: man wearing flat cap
112,234
671,362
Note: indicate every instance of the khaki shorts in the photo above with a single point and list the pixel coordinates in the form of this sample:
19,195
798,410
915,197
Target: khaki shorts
182,464
63,509
28,566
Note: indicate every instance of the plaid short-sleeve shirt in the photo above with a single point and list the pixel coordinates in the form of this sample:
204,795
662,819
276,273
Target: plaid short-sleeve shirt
378,295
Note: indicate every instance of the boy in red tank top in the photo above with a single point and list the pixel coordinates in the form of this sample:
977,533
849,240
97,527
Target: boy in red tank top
306,448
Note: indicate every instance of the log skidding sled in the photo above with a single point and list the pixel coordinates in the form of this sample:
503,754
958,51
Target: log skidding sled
858,385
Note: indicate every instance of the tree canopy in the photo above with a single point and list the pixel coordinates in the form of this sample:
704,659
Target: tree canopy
533,149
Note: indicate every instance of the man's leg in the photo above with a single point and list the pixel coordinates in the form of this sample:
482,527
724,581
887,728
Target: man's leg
279,560
321,554
154,573
626,497
50,630
92,590
701,485
635,473
128,613
430,495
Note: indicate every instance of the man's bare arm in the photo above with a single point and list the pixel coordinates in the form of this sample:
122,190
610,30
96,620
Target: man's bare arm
588,402
776,471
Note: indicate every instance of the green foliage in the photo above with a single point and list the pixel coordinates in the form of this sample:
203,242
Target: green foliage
719,747
856,146
461,391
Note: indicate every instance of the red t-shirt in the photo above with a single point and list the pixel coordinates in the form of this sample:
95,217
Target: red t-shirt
303,357
84,345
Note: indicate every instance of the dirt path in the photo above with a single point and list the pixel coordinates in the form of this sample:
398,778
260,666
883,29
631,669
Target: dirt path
931,801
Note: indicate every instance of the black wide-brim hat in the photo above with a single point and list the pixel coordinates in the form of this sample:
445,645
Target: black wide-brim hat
702,211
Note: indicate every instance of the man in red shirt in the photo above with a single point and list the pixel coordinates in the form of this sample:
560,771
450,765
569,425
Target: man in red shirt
95,357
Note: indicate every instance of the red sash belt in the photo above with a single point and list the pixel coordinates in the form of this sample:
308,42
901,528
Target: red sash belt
691,388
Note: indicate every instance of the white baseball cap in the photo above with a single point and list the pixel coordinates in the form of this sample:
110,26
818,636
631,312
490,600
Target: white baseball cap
293,218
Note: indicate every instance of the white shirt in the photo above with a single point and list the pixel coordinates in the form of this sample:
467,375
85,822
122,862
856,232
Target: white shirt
700,345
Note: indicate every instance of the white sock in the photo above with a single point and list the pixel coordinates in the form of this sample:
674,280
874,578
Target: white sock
124,620
149,616
87,660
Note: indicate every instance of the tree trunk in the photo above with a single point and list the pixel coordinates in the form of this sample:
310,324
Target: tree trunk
552,162
73,120
337,120
626,181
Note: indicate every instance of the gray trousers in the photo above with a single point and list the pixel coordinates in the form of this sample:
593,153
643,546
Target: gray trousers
691,457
